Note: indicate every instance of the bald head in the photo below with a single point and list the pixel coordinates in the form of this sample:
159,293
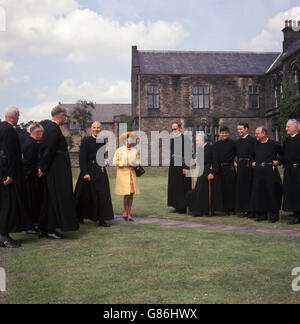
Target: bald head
261,133
12,115
96,128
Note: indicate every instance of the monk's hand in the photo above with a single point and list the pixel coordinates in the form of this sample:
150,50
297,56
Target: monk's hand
235,165
184,171
210,177
275,163
253,164
41,173
87,177
8,181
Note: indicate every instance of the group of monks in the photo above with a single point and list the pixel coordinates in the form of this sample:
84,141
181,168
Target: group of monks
36,182
36,189
241,176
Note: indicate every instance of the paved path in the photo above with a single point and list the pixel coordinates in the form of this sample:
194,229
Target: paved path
212,227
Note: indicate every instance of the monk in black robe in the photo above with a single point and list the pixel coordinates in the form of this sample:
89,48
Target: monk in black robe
13,207
291,164
34,184
225,154
59,208
178,184
198,199
267,185
23,136
93,198
244,151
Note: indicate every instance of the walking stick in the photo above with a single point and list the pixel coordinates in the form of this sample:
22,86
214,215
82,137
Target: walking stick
281,210
210,205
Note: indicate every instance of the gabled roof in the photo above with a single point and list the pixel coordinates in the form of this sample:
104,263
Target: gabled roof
290,51
104,113
222,63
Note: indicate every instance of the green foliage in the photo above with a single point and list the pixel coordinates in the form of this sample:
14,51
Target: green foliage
127,120
289,106
22,127
82,114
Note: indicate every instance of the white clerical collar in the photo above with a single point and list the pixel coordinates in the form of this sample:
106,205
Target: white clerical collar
95,137
266,141
244,137
294,135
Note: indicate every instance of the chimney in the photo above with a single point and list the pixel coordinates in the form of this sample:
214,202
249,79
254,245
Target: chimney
291,33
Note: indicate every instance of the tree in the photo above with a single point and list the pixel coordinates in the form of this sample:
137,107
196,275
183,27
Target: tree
82,115
289,106
22,127
127,120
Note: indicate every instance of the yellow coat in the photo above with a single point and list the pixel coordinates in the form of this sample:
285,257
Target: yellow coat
126,177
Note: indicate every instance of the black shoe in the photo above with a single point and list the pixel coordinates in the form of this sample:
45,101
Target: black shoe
43,235
262,218
81,221
130,220
295,221
17,242
33,231
9,244
103,224
54,236
274,220
244,215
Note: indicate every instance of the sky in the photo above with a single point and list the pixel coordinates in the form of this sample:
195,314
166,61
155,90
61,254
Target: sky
81,49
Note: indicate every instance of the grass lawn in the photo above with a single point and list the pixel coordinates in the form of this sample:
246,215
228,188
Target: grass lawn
147,264
131,263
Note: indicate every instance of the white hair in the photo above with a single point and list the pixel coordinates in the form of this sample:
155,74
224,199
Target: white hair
294,121
11,111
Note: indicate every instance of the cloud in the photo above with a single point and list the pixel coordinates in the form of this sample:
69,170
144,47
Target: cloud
6,73
99,90
270,38
38,112
43,27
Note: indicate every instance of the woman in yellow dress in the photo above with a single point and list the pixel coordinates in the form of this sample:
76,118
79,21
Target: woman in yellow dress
126,158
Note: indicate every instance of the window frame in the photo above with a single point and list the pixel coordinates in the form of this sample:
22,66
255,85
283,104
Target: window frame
252,95
153,95
201,97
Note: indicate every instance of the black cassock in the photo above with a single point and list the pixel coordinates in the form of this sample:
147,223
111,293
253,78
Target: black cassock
178,184
225,155
291,163
244,151
13,206
59,209
267,185
23,136
93,199
198,199
34,184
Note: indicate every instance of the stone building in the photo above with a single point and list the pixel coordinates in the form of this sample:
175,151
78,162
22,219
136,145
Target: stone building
205,90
